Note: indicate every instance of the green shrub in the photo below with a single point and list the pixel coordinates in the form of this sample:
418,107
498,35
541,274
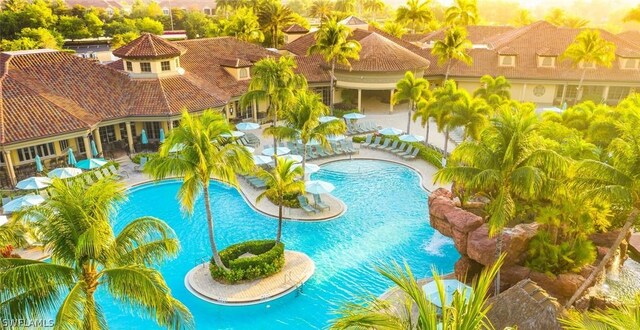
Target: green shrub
114,163
569,255
290,200
136,158
268,260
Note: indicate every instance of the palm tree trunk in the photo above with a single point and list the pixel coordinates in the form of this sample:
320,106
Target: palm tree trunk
631,219
409,119
575,101
279,234
333,71
498,253
275,138
426,137
304,160
446,145
89,277
446,75
212,239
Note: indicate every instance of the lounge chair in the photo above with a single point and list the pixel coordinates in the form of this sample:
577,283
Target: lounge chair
352,147
375,143
98,175
304,204
319,203
329,151
321,152
399,149
336,149
140,168
310,153
392,146
384,145
409,150
115,172
88,179
413,154
367,141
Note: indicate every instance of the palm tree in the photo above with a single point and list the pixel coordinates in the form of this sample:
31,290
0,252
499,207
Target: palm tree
274,81
244,26
86,255
445,98
321,9
617,182
462,313
453,47
273,17
411,89
589,48
373,7
625,317
633,15
462,13
493,90
505,165
394,28
13,233
332,42
415,13
424,111
523,18
346,6
470,113
205,154
282,181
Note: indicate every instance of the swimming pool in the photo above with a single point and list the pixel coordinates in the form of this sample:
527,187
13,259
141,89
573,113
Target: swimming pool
386,220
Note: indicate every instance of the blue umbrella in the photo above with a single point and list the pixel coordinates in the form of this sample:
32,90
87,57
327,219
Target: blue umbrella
353,115
161,135
450,287
24,201
71,159
143,137
94,150
247,126
90,164
38,164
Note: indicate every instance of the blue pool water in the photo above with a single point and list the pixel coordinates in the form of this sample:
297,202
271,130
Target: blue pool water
386,220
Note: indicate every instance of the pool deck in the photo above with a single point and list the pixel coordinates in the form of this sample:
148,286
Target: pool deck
298,268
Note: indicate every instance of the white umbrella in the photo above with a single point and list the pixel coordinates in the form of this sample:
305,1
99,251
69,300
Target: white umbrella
353,115
24,201
318,187
250,149
334,138
390,131
3,219
247,126
312,142
235,134
411,138
64,172
271,151
294,158
450,287
34,182
261,160
326,119
308,168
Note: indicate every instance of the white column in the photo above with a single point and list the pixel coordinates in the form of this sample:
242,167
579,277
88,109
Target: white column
359,100
130,137
96,137
524,91
255,111
8,162
391,103
170,124
564,93
87,147
605,94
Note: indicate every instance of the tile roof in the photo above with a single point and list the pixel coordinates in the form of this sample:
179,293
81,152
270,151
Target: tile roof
352,20
149,46
295,28
632,36
477,34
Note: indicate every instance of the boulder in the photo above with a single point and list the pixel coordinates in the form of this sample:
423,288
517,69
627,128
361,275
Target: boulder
466,269
510,275
462,220
562,286
481,248
459,241
440,206
604,239
440,192
441,225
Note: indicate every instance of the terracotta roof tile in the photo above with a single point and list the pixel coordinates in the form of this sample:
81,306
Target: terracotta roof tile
352,20
149,46
295,28
477,34
312,67
632,36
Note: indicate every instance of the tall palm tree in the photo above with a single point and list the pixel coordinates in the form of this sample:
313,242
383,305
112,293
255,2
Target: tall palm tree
346,6
275,82
273,17
493,90
461,312
374,7
283,180
394,28
633,15
205,154
410,89
523,18
415,13
86,255
244,26
625,317
589,48
462,13
453,47
13,233
444,101
321,9
505,165
425,111
470,113
332,42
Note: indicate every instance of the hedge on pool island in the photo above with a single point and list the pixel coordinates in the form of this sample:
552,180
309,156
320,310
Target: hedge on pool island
267,259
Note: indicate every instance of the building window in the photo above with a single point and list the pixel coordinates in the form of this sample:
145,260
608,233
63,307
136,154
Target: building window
207,11
165,11
593,93
546,61
80,143
572,92
41,150
509,60
244,73
145,67
123,130
64,145
129,66
618,92
152,129
629,63
107,134
165,65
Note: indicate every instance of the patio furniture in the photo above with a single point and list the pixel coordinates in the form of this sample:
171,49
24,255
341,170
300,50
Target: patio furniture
321,152
392,146
98,175
304,204
319,203
337,150
140,167
399,149
412,155
375,143
407,152
367,141
384,145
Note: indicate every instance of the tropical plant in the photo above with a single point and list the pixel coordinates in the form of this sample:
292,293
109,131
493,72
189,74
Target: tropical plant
13,233
415,13
85,256
453,47
505,165
445,98
461,313
332,42
462,13
424,111
493,90
244,26
373,7
346,6
470,113
625,317
273,17
281,181
321,9
410,89
394,28
523,18
633,15
589,48
205,154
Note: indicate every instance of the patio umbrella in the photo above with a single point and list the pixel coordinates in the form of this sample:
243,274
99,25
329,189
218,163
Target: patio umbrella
318,187
177,147
143,137
161,135
3,219
94,150
34,183
334,138
294,158
271,151
308,168
353,115
261,160
326,119
38,164
411,138
250,149
247,126
450,287
71,159
235,134
64,172
24,201
90,164
390,131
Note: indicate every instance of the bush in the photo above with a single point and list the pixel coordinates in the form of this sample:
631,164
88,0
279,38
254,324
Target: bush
136,158
290,200
566,256
114,163
268,260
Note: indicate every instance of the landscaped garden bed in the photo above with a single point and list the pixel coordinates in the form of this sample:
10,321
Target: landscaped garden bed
249,261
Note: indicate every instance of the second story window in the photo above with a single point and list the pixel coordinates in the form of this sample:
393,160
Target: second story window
244,73
145,67
165,65
129,66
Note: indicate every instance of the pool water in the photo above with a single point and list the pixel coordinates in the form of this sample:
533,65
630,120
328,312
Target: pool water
386,220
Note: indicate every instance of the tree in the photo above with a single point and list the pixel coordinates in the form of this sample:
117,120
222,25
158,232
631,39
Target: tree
244,26
72,27
415,13
122,39
410,89
37,39
445,98
453,47
374,7
633,15
460,312
332,42
556,16
94,24
149,25
493,90
625,317
300,7
589,48
18,44
321,9
523,18
282,181
196,24
470,113
86,255
120,27
205,154
394,28
505,165
348,7
462,13
273,17
425,111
